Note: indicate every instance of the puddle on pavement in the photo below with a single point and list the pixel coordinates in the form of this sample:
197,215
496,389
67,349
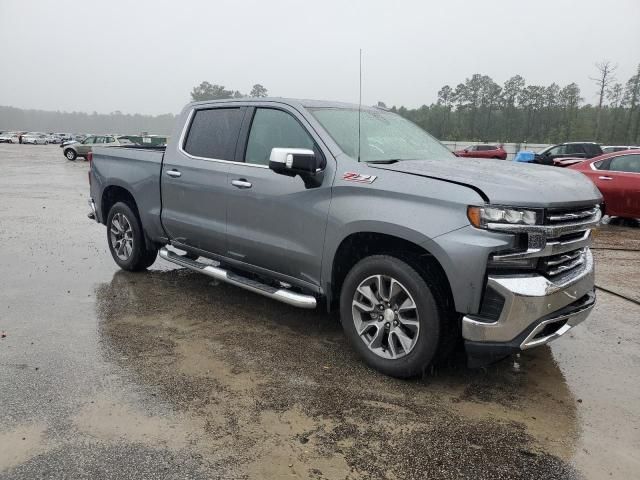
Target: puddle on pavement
281,393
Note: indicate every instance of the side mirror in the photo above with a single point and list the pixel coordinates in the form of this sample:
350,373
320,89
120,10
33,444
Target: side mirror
298,161
294,161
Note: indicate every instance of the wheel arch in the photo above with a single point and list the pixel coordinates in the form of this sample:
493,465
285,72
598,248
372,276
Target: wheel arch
358,245
114,194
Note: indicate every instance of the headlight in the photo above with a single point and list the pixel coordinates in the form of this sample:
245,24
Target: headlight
481,216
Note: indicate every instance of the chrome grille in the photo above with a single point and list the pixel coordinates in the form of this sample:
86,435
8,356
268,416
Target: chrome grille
558,246
562,263
559,216
577,223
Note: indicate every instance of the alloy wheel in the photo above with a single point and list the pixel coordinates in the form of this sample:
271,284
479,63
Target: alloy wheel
121,234
385,316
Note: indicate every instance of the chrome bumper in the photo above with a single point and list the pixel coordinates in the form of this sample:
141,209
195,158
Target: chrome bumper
532,303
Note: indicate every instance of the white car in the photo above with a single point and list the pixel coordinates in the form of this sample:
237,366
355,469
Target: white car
619,148
64,137
9,137
35,138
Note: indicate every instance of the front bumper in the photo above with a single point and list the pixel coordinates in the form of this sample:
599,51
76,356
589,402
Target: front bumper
536,311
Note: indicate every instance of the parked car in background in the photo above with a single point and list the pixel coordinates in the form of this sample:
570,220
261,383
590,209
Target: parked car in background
53,138
64,137
148,140
570,149
35,138
81,149
9,137
483,151
567,161
617,176
526,156
619,148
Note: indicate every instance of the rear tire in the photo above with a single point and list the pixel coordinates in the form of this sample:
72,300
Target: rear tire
126,239
70,154
404,314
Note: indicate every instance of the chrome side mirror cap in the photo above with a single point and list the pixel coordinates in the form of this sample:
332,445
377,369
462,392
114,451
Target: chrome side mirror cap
294,161
298,161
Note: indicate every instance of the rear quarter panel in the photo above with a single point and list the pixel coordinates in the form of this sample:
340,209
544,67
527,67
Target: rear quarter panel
137,171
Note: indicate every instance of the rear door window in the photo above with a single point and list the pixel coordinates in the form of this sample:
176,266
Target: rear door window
214,132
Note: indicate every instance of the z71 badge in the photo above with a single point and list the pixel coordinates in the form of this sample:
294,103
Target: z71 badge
358,177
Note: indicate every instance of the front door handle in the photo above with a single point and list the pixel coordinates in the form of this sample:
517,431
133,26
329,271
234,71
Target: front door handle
174,173
605,178
241,183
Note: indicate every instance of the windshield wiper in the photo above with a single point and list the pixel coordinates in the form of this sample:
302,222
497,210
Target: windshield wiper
384,162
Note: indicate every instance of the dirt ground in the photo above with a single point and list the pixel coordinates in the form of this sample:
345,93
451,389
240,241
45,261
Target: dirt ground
166,374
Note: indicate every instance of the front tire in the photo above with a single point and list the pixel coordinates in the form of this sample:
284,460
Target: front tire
70,154
126,239
390,316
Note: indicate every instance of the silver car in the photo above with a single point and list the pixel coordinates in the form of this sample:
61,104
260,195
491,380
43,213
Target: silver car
9,137
35,138
82,149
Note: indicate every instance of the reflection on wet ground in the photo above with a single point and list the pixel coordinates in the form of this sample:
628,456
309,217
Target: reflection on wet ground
166,374
281,383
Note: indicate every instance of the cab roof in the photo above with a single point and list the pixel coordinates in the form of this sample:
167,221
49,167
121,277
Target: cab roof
294,102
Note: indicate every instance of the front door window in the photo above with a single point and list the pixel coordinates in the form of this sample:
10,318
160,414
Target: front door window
274,129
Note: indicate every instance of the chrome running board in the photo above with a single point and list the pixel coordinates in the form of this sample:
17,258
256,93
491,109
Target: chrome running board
282,295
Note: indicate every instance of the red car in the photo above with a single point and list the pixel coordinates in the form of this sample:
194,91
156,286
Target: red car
567,161
483,151
617,176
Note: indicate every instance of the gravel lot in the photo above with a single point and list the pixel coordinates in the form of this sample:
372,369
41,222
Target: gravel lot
165,374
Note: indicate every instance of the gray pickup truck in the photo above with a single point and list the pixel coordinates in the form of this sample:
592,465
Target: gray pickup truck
311,202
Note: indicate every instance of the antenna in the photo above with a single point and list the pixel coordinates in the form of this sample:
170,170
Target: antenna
359,105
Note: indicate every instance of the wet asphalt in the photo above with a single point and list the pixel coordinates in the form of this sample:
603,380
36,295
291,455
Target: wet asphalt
167,374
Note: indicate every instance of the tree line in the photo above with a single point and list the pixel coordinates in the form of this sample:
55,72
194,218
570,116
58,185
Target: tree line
81,122
479,109
12,118
208,91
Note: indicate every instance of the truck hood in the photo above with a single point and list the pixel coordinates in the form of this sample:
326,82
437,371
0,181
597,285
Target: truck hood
506,183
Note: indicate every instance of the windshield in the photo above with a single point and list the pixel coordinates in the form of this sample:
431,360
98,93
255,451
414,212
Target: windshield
545,150
384,136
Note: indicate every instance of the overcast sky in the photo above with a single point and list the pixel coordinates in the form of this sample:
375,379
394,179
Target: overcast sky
145,56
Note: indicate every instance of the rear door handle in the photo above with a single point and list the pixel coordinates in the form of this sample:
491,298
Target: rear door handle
174,173
241,183
605,178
